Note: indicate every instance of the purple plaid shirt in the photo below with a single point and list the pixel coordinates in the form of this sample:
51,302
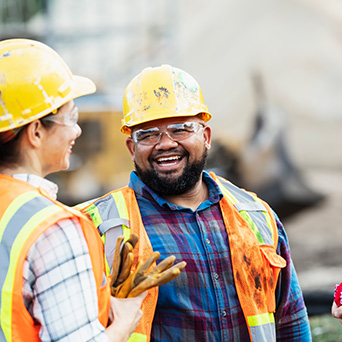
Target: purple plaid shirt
202,303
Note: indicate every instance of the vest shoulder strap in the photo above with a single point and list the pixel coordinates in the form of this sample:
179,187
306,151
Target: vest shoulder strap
259,218
110,215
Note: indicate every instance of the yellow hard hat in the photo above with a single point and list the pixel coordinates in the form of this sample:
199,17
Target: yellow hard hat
161,92
34,81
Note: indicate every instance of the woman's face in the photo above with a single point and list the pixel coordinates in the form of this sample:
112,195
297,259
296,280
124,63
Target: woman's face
59,141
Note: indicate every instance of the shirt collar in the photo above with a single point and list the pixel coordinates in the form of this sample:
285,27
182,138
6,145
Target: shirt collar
39,182
142,190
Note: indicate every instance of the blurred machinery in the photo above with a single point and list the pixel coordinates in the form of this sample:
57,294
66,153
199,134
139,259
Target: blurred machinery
263,165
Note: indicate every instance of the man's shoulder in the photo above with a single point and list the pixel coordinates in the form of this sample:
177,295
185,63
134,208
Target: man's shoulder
126,190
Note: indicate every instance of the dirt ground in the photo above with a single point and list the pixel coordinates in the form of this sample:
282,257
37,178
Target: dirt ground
315,235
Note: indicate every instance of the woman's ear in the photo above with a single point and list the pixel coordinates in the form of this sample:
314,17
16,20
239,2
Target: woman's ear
35,133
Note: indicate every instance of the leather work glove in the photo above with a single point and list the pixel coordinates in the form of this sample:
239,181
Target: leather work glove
126,283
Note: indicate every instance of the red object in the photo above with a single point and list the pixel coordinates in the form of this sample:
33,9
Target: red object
338,294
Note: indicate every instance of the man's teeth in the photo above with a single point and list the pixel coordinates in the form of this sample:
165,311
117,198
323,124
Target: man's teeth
168,159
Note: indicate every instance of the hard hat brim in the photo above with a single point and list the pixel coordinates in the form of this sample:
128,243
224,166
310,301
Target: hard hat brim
83,86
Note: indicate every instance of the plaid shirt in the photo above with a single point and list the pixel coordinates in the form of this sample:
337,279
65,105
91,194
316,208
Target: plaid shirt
202,303
59,288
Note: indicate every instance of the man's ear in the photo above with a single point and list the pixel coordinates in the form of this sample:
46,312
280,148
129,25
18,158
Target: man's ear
35,133
207,137
131,147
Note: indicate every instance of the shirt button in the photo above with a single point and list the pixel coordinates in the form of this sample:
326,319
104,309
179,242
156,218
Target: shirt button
216,276
207,241
224,313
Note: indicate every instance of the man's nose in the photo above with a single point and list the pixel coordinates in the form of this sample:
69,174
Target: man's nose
165,141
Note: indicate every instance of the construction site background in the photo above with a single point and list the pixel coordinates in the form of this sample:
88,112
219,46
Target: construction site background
271,75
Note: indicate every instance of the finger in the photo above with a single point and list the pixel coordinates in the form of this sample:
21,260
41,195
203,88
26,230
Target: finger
179,266
150,282
124,288
153,257
133,239
126,248
125,269
167,276
144,268
116,260
164,265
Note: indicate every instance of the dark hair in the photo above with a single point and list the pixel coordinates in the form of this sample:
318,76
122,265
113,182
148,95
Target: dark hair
10,153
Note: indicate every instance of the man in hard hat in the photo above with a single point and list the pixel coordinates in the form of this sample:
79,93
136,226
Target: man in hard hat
52,271
239,283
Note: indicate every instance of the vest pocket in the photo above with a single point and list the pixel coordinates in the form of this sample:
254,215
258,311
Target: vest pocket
275,263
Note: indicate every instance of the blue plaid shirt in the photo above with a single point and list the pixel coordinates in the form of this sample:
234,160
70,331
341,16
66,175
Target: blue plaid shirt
202,303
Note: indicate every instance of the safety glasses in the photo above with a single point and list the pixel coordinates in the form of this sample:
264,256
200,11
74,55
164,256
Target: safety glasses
176,132
67,119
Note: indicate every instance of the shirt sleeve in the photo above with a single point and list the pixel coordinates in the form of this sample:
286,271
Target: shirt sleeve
292,323
59,285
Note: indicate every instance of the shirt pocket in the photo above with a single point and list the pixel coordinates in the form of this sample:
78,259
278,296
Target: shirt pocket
274,263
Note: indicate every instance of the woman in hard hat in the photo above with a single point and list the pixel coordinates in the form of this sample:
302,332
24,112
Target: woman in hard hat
52,280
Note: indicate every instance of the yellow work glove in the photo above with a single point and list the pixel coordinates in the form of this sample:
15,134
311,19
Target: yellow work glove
127,283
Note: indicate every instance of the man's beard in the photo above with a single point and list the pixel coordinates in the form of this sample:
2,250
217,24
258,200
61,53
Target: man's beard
171,187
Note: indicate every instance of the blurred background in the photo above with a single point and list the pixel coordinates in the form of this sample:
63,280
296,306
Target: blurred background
271,75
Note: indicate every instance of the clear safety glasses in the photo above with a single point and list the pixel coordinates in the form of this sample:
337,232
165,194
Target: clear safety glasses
176,132
67,119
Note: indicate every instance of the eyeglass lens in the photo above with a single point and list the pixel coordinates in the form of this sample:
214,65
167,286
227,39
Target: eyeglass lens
176,132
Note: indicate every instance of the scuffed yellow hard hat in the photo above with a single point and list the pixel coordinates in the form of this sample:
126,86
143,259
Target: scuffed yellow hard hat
162,92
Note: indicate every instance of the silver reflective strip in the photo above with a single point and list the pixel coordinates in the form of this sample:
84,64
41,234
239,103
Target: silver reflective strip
239,194
250,206
107,208
259,220
111,225
114,222
255,210
110,243
14,226
263,333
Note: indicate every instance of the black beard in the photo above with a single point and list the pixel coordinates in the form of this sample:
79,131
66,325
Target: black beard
171,187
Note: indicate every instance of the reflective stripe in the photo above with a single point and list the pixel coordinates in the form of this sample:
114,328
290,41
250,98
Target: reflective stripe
23,215
264,318
250,206
268,219
18,202
94,213
252,225
109,247
251,209
123,212
262,327
263,333
109,224
136,337
110,215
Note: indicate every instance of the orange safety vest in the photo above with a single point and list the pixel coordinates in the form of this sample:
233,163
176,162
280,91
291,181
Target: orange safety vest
26,212
253,239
